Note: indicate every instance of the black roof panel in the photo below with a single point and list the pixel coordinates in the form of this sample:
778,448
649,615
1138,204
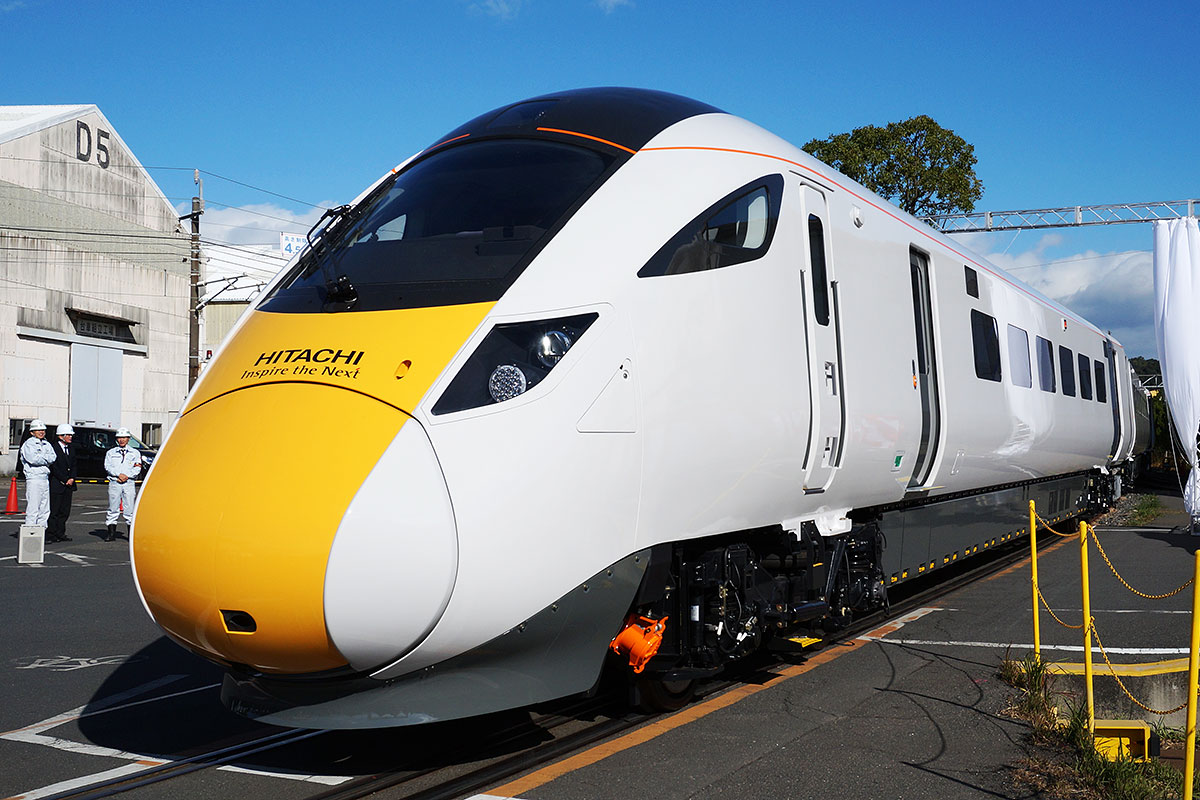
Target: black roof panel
625,117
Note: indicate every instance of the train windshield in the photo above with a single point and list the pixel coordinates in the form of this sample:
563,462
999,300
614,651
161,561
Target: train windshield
456,227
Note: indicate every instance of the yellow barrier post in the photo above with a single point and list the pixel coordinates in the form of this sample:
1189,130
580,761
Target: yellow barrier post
1189,759
1087,626
1037,634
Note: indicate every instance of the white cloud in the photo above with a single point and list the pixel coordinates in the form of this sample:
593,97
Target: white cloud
1113,291
257,223
242,243
503,9
609,6
13,5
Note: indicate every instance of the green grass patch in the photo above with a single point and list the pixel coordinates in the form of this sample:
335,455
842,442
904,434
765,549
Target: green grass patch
1070,766
1146,510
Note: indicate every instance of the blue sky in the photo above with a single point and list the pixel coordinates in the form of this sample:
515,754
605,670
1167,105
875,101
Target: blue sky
1065,103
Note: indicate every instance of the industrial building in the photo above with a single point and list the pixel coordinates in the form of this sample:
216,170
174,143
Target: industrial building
94,280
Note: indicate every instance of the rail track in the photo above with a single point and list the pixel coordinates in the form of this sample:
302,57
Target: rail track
565,728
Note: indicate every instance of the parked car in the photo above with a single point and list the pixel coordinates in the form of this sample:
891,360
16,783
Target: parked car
90,444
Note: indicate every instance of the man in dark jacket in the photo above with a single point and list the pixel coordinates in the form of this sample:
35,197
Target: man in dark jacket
62,485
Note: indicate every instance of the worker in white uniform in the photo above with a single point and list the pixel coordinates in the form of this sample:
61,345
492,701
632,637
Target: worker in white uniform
122,464
36,457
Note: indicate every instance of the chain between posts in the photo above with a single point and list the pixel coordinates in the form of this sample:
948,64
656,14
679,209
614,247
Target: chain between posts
1051,610
1112,671
1046,525
1125,583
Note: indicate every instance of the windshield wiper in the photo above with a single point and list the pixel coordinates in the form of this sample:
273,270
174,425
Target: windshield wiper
333,214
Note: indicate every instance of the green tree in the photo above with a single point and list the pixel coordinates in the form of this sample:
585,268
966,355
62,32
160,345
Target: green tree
1146,367
917,164
1150,368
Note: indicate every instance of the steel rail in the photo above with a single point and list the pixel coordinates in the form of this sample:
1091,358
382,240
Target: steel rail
489,775
492,773
183,766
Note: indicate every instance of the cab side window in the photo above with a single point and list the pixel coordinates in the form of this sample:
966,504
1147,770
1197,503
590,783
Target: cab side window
734,230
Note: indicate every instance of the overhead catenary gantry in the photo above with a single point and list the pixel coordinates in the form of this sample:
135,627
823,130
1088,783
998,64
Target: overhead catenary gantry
1066,217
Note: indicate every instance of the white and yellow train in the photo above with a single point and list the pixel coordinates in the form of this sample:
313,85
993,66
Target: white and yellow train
601,361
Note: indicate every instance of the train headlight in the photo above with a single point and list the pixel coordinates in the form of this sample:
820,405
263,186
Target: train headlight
507,381
550,349
511,360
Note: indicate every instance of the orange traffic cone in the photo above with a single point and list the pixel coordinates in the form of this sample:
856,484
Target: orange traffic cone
11,506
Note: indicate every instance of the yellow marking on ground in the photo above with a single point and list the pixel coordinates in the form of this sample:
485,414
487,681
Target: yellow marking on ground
805,641
1128,670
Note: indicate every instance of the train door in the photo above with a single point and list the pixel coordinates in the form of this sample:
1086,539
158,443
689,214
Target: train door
828,429
1114,393
924,370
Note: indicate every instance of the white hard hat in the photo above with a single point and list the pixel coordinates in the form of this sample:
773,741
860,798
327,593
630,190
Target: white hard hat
63,430
37,425
123,432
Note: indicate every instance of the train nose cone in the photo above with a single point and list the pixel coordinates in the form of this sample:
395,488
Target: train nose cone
395,558
239,524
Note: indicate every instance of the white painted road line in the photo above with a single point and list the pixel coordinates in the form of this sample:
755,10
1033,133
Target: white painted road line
35,734
108,703
1077,648
1118,611
327,780
76,783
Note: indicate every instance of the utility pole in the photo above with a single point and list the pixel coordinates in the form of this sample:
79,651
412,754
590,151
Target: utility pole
194,304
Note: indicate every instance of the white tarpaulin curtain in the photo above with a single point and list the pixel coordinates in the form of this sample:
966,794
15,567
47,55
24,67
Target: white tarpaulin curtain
1177,325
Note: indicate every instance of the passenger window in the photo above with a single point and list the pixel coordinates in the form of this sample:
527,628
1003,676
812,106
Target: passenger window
972,281
1101,391
1085,377
732,231
1066,363
1018,356
820,280
986,341
1045,357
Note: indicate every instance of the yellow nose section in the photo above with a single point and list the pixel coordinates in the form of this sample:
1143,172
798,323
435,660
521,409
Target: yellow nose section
235,523
235,526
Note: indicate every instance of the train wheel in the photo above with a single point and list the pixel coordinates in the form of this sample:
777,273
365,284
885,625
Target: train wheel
654,694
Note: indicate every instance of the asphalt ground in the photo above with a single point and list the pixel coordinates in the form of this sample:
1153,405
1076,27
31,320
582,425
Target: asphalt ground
89,687
911,710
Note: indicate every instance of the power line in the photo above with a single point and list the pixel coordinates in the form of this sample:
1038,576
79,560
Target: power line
117,293
244,210
243,249
90,252
178,238
56,201
67,159
264,191
1074,260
